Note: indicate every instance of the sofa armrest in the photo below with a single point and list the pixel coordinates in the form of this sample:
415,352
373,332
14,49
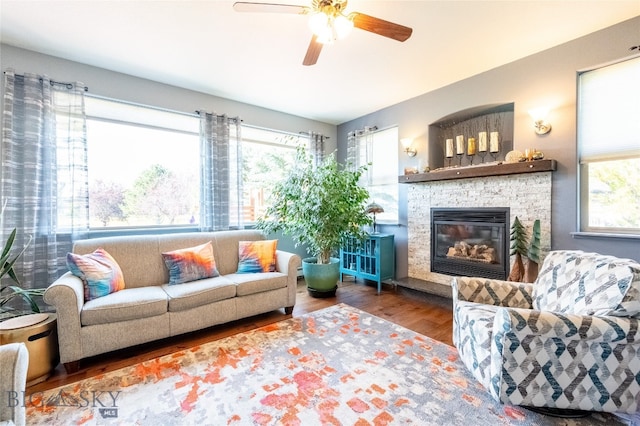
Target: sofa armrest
288,263
493,292
14,363
66,294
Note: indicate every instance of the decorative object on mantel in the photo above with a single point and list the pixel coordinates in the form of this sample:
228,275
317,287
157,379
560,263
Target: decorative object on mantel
533,254
411,171
494,145
482,145
513,156
448,150
471,149
518,249
460,148
471,135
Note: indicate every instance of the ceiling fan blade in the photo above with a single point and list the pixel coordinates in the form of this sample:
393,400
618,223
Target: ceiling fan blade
312,52
381,27
244,6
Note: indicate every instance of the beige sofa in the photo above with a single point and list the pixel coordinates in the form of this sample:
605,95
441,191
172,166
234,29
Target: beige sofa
149,309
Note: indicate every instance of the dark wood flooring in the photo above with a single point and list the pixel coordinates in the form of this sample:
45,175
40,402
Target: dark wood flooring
427,314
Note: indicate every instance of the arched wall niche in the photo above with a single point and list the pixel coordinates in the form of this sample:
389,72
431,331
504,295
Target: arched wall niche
471,123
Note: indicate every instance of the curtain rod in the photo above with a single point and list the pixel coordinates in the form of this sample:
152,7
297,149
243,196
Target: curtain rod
361,131
220,115
310,132
53,82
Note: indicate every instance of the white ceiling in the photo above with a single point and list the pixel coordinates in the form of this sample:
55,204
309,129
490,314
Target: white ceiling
257,57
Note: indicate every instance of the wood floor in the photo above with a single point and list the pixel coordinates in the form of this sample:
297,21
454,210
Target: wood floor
426,314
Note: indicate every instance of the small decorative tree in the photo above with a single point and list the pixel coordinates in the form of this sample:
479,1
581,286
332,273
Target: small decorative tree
533,254
519,249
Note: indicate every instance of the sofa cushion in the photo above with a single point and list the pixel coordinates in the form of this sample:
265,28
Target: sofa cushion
100,273
190,264
588,284
198,293
257,283
127,304
257,256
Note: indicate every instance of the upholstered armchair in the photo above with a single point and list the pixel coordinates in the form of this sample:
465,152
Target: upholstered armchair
571,340
14,362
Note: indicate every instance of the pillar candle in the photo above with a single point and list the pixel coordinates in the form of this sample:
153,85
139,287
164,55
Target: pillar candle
449,148
460,144
471,146
493,142
482,146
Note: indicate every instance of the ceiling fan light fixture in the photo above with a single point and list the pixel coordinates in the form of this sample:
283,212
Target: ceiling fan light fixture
342,26
329,27
318,22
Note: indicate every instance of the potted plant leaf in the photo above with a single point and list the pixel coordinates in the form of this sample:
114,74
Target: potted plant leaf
320,207
8,292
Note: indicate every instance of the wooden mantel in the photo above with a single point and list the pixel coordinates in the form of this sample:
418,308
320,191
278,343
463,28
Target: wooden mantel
498,169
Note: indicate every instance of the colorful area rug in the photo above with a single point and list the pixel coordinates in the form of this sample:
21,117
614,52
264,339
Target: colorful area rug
336,366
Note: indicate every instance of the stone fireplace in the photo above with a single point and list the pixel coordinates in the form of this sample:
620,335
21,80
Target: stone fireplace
526,194
470,241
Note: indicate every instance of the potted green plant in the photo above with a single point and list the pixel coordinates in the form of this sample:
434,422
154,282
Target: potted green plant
320,207
8,292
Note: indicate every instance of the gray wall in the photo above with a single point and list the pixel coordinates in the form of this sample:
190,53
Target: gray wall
544,79
121,86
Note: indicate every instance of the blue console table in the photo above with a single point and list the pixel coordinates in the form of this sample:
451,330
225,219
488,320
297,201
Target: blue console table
372,259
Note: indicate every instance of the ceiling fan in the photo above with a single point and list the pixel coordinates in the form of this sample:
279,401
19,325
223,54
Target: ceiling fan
329,23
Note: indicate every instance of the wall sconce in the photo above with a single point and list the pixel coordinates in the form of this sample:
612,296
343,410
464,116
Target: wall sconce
539,115
406,143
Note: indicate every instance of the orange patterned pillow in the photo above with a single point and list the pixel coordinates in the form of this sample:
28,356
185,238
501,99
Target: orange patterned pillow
257,256
190,264
100,273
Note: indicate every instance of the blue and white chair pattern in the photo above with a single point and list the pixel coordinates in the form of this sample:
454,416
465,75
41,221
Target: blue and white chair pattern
571,340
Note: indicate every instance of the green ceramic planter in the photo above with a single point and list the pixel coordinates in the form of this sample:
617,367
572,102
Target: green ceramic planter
322,280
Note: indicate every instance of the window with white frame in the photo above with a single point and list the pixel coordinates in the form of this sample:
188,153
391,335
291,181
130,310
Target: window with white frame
379,149
609,148
143,166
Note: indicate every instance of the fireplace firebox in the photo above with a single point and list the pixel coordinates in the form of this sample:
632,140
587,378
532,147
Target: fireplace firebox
470,242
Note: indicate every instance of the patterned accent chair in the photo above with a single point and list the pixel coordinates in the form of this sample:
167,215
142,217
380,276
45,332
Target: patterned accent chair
571,340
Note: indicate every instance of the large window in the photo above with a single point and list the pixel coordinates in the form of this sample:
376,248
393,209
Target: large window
143,166
609,148
380,150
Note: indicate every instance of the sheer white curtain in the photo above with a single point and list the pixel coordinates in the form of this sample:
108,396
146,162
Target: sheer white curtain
221,172
44,182
316,147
